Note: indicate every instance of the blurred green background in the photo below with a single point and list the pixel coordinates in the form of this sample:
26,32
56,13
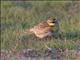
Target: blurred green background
21,15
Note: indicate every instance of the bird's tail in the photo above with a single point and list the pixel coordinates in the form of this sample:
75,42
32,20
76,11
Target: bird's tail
24,32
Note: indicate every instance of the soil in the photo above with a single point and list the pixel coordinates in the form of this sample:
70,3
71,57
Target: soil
49,54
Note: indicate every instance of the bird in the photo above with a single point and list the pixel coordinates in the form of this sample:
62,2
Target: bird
43,29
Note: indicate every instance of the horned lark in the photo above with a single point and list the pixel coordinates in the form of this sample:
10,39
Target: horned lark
43,29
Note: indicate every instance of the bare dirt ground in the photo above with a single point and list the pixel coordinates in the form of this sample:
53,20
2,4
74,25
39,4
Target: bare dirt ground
53,54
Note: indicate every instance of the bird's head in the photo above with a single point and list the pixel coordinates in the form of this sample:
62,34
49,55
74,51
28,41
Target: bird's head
51,22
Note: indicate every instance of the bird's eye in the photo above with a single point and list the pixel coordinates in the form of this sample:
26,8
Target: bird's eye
54,19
